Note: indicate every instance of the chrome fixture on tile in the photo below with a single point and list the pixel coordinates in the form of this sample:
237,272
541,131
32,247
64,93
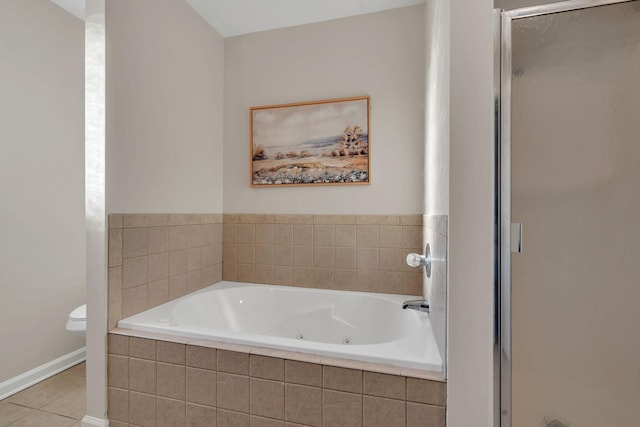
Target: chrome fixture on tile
416,304
415,260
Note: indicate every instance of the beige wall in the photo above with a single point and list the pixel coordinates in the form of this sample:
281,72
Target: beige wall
41,182
471,238
381,55
164,109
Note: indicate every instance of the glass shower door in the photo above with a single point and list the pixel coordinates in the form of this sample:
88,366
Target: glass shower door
575,187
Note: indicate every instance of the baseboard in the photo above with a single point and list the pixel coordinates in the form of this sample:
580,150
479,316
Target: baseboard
88,421
42,372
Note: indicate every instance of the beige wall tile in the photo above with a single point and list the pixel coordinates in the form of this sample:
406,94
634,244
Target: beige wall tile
177,237
390,282
194,235
206,256
246,253
367,236
232,419
201,357
256,218
177,262
217,253
235,218
367,281
303,373
378,219
118,404
246,233
283,255
142,348
145,220
134,300
390,236
201,386
201,416
211,234
283,234
342,379
264,234
264,274
134,272
323,278
267,398
194,281
303,235
303,404
118,344
142,375
345,258
211,218
269,368
391,259
412,283
230,253
415,219
367,258
345,280
171,380
115,220
114,309
257,421
233,392
303,276
158,267
170,352
118,371
342,409
345,235
115,247
323,257
194,259
303,256
425,391
294,219
283,275
379,412
384,385
334,219
142,410
171,413
323,235
264,254
229,272
230,233
184,219
247,273
419,415
233,362
177,286
135,242
411,236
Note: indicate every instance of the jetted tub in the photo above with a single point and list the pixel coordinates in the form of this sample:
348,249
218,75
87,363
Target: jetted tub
353,325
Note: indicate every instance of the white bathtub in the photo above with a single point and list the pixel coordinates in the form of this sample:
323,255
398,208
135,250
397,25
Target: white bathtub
352,325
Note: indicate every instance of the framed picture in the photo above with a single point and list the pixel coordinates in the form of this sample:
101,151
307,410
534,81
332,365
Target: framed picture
311,143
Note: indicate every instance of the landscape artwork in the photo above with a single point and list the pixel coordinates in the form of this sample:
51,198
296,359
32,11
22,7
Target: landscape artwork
312,143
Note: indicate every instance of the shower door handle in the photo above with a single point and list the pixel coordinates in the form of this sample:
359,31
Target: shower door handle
516,237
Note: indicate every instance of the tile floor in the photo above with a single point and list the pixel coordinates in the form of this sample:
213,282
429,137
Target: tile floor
56,402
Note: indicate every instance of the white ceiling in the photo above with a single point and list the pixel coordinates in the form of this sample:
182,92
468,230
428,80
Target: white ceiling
235,17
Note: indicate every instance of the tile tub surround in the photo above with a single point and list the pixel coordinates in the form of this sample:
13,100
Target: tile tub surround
155,258
346,252
160,383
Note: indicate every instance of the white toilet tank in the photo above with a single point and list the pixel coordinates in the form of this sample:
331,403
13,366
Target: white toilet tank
77,323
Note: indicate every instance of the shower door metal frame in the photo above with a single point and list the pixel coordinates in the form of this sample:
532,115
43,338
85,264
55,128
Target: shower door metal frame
502,57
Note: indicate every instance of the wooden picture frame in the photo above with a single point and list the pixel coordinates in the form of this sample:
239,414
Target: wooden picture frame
311,143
